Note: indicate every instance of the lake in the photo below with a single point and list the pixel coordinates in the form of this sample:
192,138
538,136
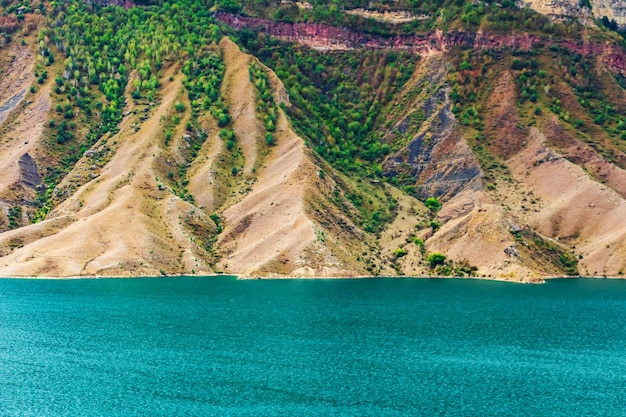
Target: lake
368,347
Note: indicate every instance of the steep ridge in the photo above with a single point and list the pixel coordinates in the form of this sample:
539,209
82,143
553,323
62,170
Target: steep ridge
270,232
122,219
583,213
242,99
437,159
444,153
22,120
120,223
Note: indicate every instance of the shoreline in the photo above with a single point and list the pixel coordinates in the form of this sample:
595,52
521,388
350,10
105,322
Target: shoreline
542,280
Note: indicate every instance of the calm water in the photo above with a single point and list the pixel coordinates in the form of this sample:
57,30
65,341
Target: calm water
217,346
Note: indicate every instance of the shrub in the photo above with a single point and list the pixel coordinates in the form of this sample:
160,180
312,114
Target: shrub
435,259
432,203
399,253
223,119
179,107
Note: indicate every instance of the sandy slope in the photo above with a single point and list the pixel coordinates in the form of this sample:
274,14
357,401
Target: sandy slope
399,234
122,219
242,97
119,223
269,232
22,135
478,232
19,134
208,191
587,215
17,74
117,215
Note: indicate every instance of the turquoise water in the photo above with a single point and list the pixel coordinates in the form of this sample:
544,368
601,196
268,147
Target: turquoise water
217,346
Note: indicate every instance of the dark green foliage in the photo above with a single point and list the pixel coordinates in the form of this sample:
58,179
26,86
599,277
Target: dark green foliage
223,119
609,24
179,107
570,263
400,252
594,94
530,79
266,107
14,217
64,134
337,98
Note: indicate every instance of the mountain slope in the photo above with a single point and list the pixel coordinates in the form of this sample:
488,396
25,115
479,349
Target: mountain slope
184,139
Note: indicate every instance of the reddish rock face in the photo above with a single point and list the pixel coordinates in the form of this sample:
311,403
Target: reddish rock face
325,36
615,59
8,23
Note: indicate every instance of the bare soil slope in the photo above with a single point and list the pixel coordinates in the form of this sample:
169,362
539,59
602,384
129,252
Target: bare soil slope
269,232
524,199
120,223
122,218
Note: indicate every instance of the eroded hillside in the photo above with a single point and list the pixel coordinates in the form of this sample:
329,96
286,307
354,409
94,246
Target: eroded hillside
132,145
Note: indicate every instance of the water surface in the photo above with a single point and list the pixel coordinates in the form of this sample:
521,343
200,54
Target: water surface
375,347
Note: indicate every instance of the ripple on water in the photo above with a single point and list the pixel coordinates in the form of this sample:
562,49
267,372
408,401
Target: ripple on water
218,346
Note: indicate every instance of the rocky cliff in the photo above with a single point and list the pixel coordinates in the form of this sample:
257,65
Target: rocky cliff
326,37
611,9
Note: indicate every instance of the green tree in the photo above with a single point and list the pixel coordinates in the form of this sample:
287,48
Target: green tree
435,259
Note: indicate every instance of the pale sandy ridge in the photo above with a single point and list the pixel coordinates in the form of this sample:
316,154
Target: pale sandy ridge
119,223
206,189
17,77
238,88
387,16
269,232
587,214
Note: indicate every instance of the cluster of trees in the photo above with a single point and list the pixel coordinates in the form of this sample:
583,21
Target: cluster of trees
467,87
100,48
530,80
592,93
338,99
266,107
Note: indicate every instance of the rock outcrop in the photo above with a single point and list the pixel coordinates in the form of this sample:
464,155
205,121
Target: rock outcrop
611,9
322,36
